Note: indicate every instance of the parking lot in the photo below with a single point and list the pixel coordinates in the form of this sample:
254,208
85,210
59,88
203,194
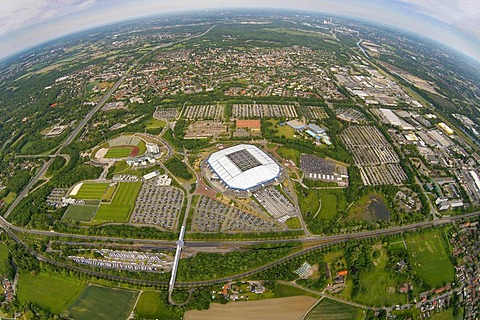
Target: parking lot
213,216
204,129
373,154
276,204
204,112
315,112
128,260
54,199
157,205
241,111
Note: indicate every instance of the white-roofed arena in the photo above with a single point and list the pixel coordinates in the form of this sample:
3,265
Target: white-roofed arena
243,167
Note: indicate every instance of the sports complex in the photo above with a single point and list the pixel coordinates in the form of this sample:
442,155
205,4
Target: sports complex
243,168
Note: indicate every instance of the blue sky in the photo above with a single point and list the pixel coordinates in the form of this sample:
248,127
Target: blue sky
26,23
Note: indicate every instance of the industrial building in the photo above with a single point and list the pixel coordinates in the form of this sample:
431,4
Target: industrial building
243,167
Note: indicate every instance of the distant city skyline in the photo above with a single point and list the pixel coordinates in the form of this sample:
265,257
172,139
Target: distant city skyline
25,24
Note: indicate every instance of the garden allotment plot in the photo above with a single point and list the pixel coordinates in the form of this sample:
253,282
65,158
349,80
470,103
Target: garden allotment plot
119,209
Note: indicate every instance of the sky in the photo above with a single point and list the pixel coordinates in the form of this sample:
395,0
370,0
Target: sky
27,23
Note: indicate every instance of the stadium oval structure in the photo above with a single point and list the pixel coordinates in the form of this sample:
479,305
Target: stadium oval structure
243,167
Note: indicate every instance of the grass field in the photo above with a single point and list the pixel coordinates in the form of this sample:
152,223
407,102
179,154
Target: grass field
155,124
278,309
329,309
109,193
99,303
289,154
91,191
154,305
293,223
48,290
329,206
429,258
375,284
118,152
3,258
121,205
10,197
285,290
79,212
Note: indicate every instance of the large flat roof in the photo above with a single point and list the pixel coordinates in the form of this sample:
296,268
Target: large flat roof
243,167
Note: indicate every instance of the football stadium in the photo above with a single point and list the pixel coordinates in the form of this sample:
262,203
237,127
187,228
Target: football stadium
243,167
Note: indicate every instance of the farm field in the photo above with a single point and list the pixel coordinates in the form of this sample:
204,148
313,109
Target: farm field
118,152
79,212
48,290
91,191
279,309
328,309
121,205
429,258
285,290
154,305
97,302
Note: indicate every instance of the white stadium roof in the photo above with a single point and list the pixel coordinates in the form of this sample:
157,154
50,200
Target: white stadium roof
243,167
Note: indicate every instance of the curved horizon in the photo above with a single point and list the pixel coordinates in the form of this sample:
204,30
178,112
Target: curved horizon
78,16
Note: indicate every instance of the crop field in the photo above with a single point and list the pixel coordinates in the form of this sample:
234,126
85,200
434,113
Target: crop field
118,152
91,191
329,309
121,205
429,258
99,303
79,212
48,290
279,309
154,305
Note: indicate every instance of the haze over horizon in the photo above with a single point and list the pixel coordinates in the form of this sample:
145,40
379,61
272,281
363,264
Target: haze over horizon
26,24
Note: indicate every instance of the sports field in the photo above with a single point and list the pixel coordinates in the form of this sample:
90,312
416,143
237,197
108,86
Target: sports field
429,258
118,152
48,290
154,305
91,191
278,309
121,205
329,309
99,303
79,212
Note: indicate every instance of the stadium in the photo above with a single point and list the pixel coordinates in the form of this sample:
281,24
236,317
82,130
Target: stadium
243,167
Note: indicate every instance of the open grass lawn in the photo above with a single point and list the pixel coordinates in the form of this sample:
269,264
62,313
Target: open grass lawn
121,205
142,147
118,152
285,290
375,285
10,197
447,315
50,291
330,309
154,305
293,223
309,201
329,206
79,212
290,154
91,191
99,303
155,124
429,258
3,258
109,193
